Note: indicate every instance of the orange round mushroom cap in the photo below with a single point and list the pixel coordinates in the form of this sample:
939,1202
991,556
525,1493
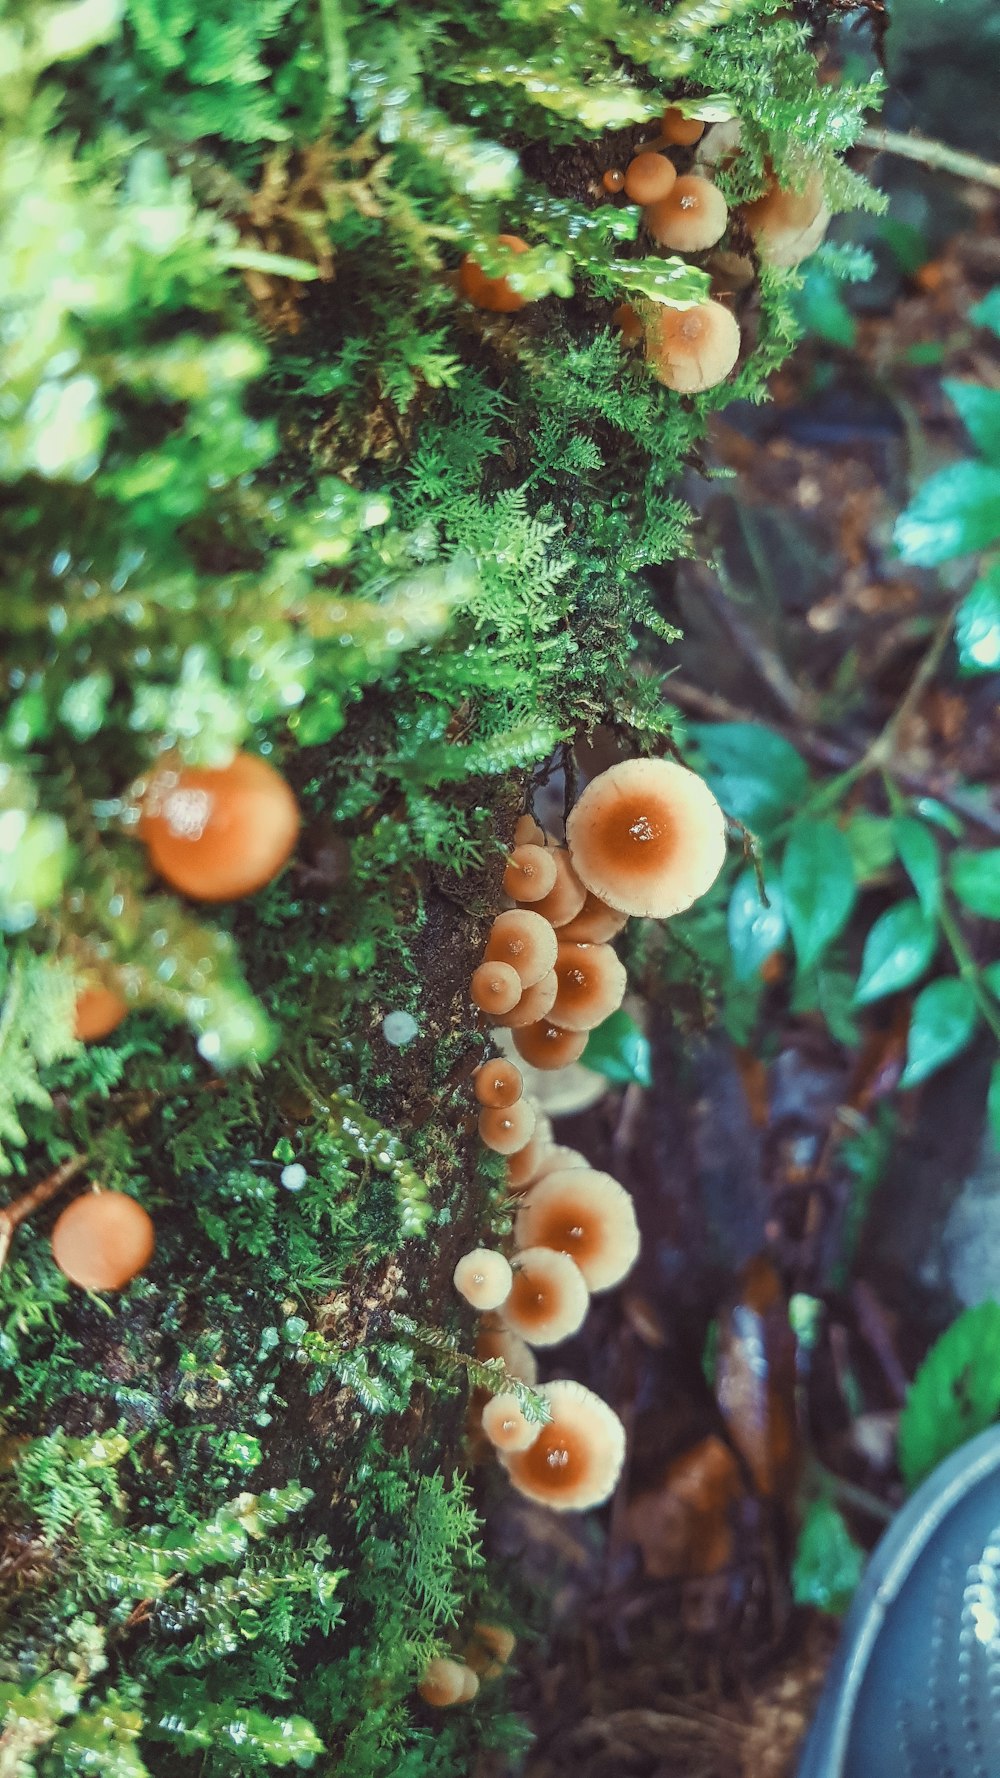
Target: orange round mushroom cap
592,983
495,988
613,180
681,131
692,217
505,1425
495,294
648,836
548,1299
498,1082
587,1215
788,225
630,323
508,1128
650,177
528,833
523,938
567,896
577,1458
484,1278
218,833
103,1240
501,1342
545,1045
595,924
490,1649
530,873
98,1012
693,349
446,1682
535,1003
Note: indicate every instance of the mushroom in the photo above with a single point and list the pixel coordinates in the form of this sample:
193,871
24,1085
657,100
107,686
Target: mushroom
493,1340
595,924
530,873
495,988
447,1682
98,1012
650,177
484,1278
534,1003
681,131
630,323
103,1240
577,1457
788,225
693,349
559,1159
507,1129
587,1215
526,1165
613,180
490,1649
691,217
498,1082
217,833
545,1045
505,1425
548,1299
592,984
648,836
568,895
523,938
528,833
496,294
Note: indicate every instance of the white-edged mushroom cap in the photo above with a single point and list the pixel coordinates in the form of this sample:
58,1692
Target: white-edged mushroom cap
495,988
587,1215
548,1299
524,939
446,1682
592,983
507,1128
493,1340
567,896
498,1082
577,1458
535,1003
505,1425
648,836
546,1046
530,873
691,350
484,1278
525,1166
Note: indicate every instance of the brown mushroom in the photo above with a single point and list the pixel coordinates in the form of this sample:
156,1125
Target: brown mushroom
523,938
630,323
493,1340
681,131
526,1165
788,225
647,836
595,924
490,1649
587,1215
498,1082
505,1425
102,1240
548,1299
98,1012
692,217
650,177
534,1003
528,833
613,180
530,873
567,897
495,294
545,1045
495,988
577,1458
507,1129
592,983
693,349
446,1682
484,1278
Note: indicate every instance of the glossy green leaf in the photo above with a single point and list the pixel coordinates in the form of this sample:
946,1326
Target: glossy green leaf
817,877
953,514
944,1018
898,950
930,809
619,1050
987,312
755,931
977,625
828,1563
975,878
757,775
918,852
979,410
955,1393
872,845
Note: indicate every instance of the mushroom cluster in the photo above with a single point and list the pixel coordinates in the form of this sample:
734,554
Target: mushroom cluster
455,1679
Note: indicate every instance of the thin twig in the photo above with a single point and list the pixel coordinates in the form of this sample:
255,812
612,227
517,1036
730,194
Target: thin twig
12,1215
939,156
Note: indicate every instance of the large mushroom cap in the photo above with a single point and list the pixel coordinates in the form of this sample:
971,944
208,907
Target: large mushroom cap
587,1215
498,1082
568,894
495,988
508,1128
523,938
217,833
576,1459
535,1003
592,983
691,217
789,225
649,177
648,836
103,1240
548,1298
545,1045
495,294
693,349
530,873
484,1278
505,1425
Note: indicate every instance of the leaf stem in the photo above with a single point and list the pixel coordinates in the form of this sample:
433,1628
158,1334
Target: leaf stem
967,966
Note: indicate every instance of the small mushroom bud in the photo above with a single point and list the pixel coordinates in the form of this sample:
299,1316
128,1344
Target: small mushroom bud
495,988
692,217
613,180
595,924
505,1425
625,317
530,873
103,1240
681,131
528,833
649,178
218,833
98,1012
484,1278
567,896
535,1003
788,225
523,938
577,1457
507,1129
548,1299
587,1215
490,1649
495,294
498,1082
592,983
501,1342
446,1682
694,349
545,1045
647,836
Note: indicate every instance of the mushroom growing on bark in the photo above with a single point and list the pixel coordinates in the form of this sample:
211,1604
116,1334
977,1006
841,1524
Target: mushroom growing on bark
535,1003
681,131
567,896
530,873
446,1682
788,225
545,1045
498,1082
523,938
691,350
495,988
691,217
484,1278
98,1012
647,836
649,177
548,1299
587,1215
505,1425
577,1457
507,1128
592,983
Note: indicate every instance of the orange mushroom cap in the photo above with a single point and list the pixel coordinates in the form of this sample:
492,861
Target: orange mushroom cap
218,833
613,180
681,131
577,1458
692,217
548,1299
525,1166
495,988
648,836
490,1649
630,323
528,833
567,896
508,1128
98,1012
545,1045
523,938
484,1278
587,1215
530,873
498,1082
495,294
103,1240
595,924
505,1425
592,983
493,1340
650,177
788,225
446,1682
693,349
535,1003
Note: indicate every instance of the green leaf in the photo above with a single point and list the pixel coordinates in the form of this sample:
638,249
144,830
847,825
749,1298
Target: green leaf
619,1050
755,931
756,775
872,845
929,809
987,312
918,851
979,410
977,625
953,514
993,1105
817,876
975,878
828,1563
941,1026
955,1393
898,950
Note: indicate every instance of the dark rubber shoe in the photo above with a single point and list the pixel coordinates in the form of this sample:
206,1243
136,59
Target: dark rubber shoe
914,1691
